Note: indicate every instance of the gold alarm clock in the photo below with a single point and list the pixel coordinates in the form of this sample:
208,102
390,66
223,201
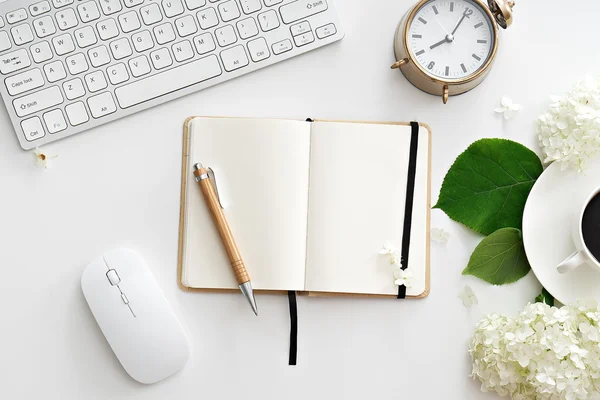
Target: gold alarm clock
447,47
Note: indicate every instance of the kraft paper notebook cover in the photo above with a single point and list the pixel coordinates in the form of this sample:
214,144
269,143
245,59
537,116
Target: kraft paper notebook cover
309,203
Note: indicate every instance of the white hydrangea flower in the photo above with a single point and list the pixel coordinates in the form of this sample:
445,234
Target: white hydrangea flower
403,277
544,353
569,131
439,235
42,159
468,297
508,107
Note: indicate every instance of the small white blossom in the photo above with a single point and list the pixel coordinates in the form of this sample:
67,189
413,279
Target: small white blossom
545,353
468,297
569,131
393,252
42,159
440,235
403,277
508,107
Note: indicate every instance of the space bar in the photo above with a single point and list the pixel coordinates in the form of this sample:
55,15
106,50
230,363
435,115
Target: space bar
168,82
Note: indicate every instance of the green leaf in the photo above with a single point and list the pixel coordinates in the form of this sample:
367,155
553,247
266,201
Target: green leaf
545,297
499,258
488,184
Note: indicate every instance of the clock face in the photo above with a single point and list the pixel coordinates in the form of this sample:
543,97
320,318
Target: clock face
451,39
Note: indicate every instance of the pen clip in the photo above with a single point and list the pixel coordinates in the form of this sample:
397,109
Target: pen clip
211,176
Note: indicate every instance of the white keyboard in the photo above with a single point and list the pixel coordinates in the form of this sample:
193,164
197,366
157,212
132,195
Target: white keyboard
68,66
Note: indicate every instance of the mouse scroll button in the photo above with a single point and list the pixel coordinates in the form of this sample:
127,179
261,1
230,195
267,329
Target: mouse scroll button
125,299
113,277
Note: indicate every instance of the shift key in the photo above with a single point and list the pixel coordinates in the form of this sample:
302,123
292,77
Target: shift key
38,101
300,9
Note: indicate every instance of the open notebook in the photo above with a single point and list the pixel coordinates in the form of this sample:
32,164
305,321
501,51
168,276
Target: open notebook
309,203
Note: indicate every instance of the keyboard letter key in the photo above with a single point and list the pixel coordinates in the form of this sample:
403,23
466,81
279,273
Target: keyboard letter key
38,101
301,9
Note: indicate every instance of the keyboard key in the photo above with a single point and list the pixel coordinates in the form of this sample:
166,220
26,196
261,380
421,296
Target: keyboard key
62,3
300,28
139,66
161,58
24,82
73,88
182,51
15,61
164,33
85,37
304,39
186,26
110,7
129,22
169,81
55,71
268,20
38,101
258,49
5,43
234,58
39,8
77,114
1,22
88,11
77,64
282,47
16,16
117,74
63,44
172,8
66,19
207,18
133,3
151,14
270,3
95,81
194,4
326,31
120,48
99,56
33,129
55,121
22,34
301,9
41,52
44,26
229,10
204,43
102,105
107,29
142,41
247,28
250,6
225,35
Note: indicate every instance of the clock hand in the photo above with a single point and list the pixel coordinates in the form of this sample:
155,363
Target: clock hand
440,24
433,46
466,14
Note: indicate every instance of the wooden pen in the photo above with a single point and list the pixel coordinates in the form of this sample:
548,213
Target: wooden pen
235,258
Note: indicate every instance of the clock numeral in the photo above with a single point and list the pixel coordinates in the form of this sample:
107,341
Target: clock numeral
431,65
451,6
468,12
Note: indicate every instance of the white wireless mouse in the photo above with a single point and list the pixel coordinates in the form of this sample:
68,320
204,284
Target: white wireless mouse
134,316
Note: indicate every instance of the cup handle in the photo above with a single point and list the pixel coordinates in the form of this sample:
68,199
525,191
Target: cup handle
573,261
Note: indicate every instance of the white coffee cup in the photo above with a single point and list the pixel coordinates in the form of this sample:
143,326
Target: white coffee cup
582,255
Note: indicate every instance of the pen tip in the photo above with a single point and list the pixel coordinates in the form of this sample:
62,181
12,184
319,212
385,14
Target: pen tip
197,166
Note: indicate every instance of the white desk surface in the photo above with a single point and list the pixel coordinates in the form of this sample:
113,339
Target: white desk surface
118,185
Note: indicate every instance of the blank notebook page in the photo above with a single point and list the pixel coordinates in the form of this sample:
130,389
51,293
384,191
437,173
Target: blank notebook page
356,203
261,169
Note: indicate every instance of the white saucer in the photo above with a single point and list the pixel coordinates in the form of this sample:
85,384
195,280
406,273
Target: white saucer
555,199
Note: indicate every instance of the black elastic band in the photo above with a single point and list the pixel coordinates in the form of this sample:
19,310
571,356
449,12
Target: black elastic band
410,194
293,327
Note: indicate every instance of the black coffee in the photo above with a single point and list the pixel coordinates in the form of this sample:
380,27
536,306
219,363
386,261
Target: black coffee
590,226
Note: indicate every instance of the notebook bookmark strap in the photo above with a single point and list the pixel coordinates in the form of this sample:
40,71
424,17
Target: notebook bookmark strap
293,327
410,194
